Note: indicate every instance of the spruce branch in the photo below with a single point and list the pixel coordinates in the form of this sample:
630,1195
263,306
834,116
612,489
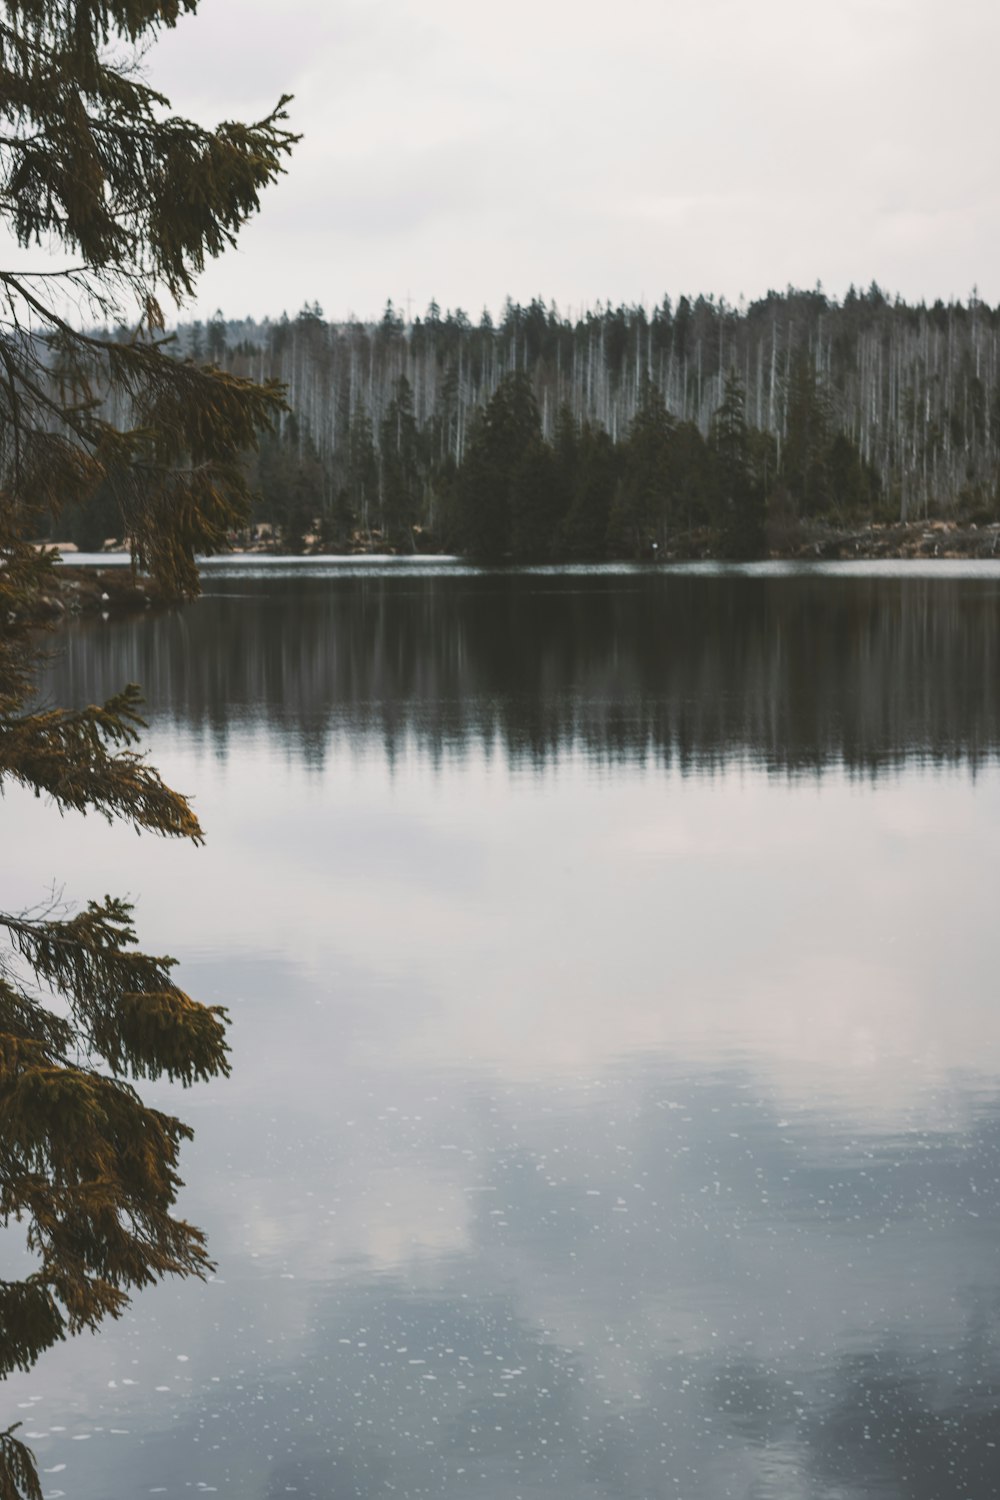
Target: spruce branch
83,760
18,1475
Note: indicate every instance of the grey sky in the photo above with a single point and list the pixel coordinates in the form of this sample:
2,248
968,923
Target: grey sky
583,150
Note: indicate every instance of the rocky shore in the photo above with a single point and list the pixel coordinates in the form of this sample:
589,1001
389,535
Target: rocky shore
95,591
83,590
901,539
818,541
792,541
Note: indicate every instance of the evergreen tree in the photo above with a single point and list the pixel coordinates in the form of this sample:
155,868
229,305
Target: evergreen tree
853,488
566,456
481,498
91,159
692,478
596,475
216,341
805,450
289,483
534,503
739,494
362,470
400,454
509,427
644,503
90,522
914,390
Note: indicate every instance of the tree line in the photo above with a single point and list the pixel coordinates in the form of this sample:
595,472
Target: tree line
611,434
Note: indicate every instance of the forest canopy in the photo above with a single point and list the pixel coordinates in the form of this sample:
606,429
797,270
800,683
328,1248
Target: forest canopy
859,409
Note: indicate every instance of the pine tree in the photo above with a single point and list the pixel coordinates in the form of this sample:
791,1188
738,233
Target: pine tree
506,431
804,454
645,501
595,477
362,471
399,450
739,492
92,161
534,499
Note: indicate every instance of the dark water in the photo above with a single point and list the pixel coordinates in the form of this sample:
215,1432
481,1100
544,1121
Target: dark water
616,1034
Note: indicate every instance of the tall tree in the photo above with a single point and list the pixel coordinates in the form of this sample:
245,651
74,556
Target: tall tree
92,161
644,505
739,494
400,454
509,427
534,503
595,475
805,450
690,462
362,471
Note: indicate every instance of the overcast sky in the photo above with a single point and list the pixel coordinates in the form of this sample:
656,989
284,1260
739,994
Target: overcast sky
581,150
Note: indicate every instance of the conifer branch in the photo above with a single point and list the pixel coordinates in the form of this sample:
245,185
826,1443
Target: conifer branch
70,755
18,1475
124,1002
91,158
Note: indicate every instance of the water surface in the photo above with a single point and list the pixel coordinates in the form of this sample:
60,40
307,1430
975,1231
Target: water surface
611,956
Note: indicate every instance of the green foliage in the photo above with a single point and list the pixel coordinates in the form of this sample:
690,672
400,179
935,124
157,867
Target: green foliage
853,484
533,503
18,1476
92,161
91,522
85,1167
498,458
805,450
401,453
693,479
739,494
289,483
593,478
362,470
913,392
645,501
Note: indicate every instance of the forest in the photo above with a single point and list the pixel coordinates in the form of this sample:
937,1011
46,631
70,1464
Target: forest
697,427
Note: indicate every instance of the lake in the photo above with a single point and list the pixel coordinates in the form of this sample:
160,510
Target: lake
612,957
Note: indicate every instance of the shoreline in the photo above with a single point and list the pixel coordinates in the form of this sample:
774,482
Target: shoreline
90,588
882,541
797,542
83,589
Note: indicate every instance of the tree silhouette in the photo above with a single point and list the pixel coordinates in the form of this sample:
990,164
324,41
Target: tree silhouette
92,161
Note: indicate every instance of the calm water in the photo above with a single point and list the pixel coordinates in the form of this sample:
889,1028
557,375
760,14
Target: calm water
616,1103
